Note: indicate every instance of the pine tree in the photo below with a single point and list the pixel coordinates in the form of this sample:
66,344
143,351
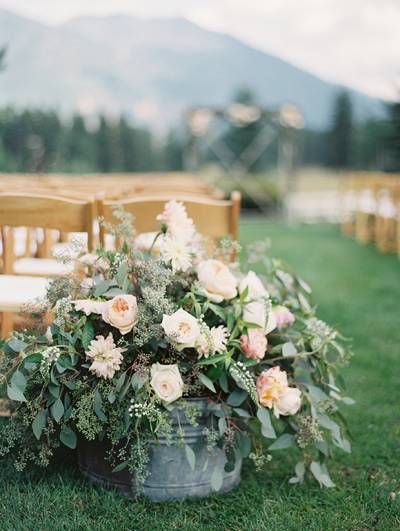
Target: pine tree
394,136
341,132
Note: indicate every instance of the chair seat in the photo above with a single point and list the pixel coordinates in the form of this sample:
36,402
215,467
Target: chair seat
41,266
16,291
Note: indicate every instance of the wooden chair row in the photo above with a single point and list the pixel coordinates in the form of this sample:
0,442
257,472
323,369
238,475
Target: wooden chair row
371,209
113,186
214,218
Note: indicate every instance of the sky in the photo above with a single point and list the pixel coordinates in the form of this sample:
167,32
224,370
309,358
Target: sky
354,42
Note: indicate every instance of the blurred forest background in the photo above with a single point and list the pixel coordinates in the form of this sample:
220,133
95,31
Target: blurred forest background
36,140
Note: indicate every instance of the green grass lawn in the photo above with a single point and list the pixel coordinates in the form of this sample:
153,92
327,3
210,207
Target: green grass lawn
358,291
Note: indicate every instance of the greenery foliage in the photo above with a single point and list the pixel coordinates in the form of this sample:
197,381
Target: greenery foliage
146,331
367,495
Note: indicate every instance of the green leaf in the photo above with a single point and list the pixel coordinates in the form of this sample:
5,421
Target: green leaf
205,380
57,410
217,310
102,287
223,382
243,444
54,390
14,393
39,423
17,345
212,360
68,437
190,456
122,273
217,478
237,397
33,358
288,349
221,426
18,380
98,406
120,382
266,425
241,412
87,334
282,442
321,474
120,467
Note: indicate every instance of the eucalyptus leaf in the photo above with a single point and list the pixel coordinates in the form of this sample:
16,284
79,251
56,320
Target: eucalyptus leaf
87,334
321,474
205,380
237,397
288,349
190,456
18,380
98,406
68,437
57,410
282,442
16,394
39,423
266,425
17,345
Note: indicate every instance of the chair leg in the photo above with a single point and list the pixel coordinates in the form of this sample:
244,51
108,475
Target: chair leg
7,322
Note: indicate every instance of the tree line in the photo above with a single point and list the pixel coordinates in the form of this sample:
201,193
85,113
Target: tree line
36,140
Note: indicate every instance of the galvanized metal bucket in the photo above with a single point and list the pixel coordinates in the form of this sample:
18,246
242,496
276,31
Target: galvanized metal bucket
170,476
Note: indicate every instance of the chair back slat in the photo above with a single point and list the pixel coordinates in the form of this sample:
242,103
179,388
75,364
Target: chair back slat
214,218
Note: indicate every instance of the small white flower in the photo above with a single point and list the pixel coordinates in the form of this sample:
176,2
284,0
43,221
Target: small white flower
181,328
178,223
49,335
211,340
105,355
219,336
88,306
177,252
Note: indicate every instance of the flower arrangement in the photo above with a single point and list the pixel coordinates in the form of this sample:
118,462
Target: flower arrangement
139,332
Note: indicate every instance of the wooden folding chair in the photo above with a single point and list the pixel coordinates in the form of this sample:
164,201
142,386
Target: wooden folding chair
214,218
46,212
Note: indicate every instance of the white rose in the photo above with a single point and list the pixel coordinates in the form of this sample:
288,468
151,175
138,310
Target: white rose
166,381
216,280
121,312
256,312
289,403
253,283
181,328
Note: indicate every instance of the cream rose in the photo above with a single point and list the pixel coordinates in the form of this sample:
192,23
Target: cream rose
216,280
289,403
121,312
166,381
254,285
181,328
256,312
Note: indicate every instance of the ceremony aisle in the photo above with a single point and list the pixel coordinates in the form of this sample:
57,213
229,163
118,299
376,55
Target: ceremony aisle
358,291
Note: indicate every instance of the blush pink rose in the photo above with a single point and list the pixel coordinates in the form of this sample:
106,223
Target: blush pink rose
273,392
254,344
283,316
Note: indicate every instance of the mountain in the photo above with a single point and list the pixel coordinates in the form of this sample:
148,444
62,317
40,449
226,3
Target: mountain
151,69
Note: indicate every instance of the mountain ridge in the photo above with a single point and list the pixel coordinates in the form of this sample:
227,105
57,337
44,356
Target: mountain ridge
151,69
